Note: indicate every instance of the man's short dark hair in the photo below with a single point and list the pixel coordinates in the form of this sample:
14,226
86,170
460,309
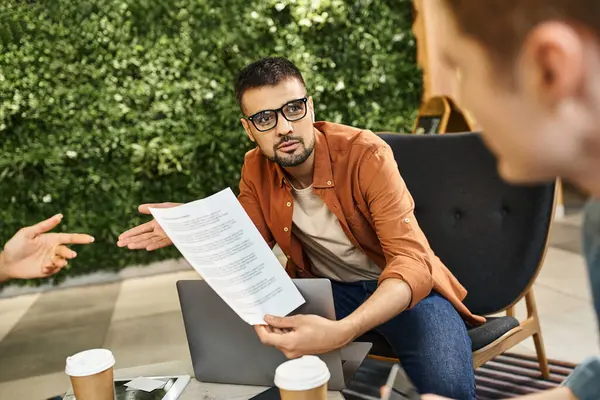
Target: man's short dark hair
501,26
269,71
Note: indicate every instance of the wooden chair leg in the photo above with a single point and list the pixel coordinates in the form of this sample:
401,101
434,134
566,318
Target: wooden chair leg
559,211
510,312
540,349
541,354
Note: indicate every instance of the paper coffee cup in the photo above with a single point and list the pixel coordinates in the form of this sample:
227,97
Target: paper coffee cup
91,374
303,378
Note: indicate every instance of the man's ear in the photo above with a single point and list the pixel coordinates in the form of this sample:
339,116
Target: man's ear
311,108
246,126
553,63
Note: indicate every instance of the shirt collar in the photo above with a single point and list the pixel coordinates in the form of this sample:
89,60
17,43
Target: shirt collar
323,174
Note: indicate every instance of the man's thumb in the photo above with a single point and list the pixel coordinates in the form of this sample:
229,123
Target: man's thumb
45,226
280,322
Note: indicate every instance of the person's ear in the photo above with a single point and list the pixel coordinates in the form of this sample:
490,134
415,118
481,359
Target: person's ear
246,125
552,63
311,107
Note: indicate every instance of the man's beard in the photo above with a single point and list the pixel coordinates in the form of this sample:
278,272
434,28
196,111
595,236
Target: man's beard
292,160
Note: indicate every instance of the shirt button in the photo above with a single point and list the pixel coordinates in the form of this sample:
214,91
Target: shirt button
407,220
288,256
285,229
289,204
329,183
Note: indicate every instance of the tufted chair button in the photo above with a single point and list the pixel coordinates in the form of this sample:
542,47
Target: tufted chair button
504,211
458,214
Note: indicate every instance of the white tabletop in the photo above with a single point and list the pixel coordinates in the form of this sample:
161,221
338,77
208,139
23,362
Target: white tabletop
195,389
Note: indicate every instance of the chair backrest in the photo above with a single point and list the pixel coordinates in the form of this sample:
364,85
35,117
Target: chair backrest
490,234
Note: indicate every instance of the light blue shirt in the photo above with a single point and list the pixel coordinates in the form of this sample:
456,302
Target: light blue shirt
584,382
591,248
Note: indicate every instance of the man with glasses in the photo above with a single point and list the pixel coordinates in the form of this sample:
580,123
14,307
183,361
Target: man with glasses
333,200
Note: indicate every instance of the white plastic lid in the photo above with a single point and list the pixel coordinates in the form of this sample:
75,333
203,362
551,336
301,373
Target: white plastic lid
89,362
303,373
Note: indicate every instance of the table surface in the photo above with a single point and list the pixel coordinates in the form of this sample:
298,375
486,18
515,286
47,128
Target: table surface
198,390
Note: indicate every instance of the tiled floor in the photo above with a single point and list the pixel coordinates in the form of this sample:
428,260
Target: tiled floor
139,320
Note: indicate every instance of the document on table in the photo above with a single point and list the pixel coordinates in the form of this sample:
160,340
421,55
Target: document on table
220,241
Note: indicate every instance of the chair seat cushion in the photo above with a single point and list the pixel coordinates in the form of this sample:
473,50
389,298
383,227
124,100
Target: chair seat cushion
493,329
480,336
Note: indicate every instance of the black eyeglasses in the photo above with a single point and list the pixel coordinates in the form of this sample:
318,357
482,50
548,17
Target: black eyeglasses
292,111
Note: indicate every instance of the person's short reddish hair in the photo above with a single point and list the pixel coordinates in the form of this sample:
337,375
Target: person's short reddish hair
501,26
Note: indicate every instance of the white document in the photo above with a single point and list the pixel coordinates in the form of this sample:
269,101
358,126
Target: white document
220,241
145,384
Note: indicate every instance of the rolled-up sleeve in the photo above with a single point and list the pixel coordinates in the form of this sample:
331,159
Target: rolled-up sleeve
392,209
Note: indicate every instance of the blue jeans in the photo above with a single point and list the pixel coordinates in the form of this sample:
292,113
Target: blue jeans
430,340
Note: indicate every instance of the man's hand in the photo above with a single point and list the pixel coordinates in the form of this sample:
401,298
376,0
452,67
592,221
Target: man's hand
149,236
311,335
301,335
33,253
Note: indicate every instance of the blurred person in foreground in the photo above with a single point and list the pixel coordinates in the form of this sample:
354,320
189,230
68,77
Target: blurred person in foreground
529,72
333,199
33,252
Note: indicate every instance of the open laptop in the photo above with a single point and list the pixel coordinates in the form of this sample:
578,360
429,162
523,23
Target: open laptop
225,349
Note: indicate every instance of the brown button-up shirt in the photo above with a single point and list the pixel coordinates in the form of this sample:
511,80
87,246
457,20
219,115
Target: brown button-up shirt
358,179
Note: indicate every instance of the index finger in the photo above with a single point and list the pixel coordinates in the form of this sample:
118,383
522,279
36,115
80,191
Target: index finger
145,208
138,230
74,238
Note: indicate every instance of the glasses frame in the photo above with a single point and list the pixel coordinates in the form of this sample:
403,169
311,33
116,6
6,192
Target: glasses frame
280,111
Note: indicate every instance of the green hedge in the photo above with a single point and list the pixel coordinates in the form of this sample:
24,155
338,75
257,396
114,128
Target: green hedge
105,104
